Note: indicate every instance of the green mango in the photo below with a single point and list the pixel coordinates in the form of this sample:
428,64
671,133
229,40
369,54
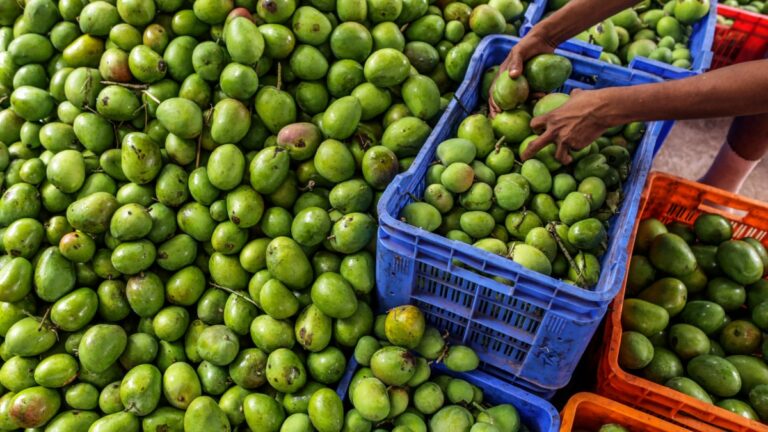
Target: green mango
740,261
248,368
16,374
275,107
421,96
176,253
138,13
384,10
204,414
343,76
178,57
94,132
15,280
352,232
457,60
373,100
547,72
33,407
180,117
119,421
285,372
279,40
231,403
31,103
341,118
287,262
263,413
370,399
428,28
140,389
334,161
245,43
456,150
164,419
72,421
141,159
310,26
277,300
269,334
30,48
54,275
101,346
379,166
386,67
56,371
313,329
670,253
208,60
230,123
358,270
181,385
352,10
326,410
329,286
75,310
406,136
238,314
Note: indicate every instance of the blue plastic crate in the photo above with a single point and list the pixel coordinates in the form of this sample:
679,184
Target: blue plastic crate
700,44
536,413
533,332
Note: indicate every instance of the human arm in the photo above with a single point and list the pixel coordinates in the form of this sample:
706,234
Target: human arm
570,20
736,90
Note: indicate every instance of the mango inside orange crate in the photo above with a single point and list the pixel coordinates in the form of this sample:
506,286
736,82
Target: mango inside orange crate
669,198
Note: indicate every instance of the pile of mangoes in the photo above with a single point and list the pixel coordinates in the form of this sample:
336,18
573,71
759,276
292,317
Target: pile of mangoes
548,217
695,311
395,387
187,218
755,6
656,29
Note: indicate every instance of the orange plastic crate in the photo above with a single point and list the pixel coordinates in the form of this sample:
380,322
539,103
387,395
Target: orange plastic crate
590,411
669,199
745,40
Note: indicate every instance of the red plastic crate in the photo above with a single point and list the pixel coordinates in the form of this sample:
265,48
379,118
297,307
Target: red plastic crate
746,40
670,199
587,411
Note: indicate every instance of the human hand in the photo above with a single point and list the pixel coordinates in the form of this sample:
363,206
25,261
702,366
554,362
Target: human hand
573,126
529,46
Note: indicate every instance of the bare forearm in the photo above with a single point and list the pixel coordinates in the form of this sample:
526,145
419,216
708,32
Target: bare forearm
577,16
736,90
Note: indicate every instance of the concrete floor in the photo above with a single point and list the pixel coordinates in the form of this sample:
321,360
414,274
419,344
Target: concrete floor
691,147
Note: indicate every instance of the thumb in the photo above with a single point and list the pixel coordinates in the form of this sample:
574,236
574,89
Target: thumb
515,64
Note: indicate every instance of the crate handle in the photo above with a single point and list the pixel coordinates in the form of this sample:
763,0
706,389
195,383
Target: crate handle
709,206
